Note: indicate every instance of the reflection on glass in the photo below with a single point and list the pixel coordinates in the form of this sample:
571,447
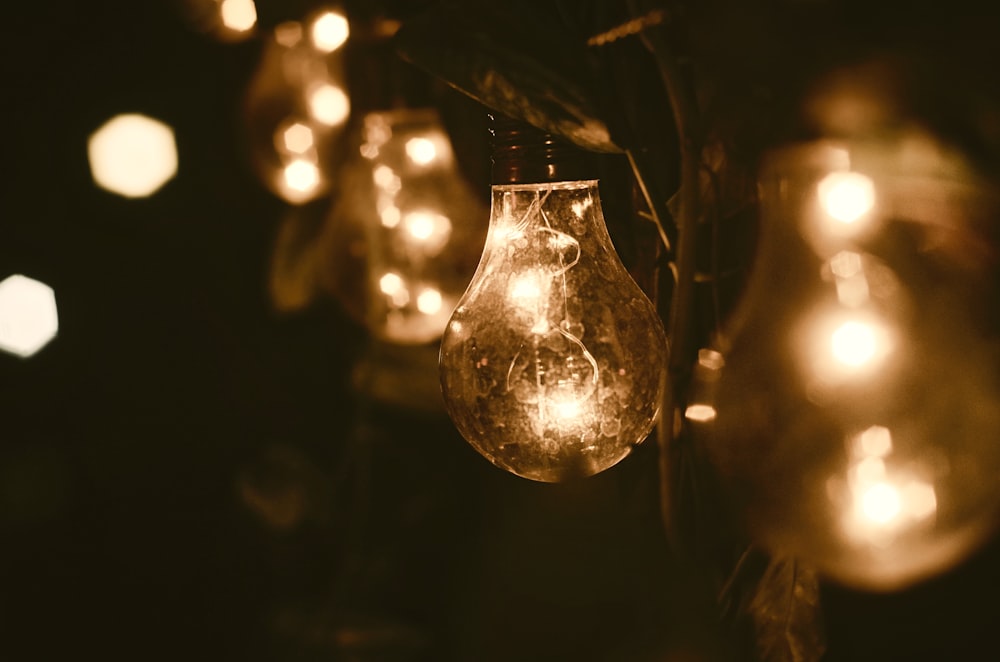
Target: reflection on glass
132,155
28,316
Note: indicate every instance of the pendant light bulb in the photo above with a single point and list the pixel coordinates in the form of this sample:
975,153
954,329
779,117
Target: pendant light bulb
552,363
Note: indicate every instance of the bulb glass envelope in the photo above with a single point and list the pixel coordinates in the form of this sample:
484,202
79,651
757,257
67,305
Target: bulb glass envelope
856,411
552,366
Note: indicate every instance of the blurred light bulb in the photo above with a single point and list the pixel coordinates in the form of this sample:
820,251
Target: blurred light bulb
856,407
28,316
406,237
132,155
226,20
238,15
329,31
552,364
295,113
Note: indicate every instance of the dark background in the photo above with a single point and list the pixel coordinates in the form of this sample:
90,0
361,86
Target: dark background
186,474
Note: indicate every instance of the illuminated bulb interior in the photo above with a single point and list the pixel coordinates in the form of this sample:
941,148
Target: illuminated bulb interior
421,151
329,32
132,155
846,196
329,105
28,315
298,138
238,15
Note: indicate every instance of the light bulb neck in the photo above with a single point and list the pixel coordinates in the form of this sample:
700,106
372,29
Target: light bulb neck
524,154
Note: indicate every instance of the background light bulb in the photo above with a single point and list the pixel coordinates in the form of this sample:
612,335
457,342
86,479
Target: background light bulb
297,108
855,413
552,364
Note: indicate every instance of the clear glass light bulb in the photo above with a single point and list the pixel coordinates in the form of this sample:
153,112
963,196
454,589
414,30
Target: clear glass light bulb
552,365
855,411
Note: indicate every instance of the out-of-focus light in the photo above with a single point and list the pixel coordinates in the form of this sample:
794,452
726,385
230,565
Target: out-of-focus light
288,34
330,31
876,441
390,216
302,175
880,503
329,104
846,196
421,150
132,155
28,316
238,15
298,138
854,343
429,301
700,413
393,287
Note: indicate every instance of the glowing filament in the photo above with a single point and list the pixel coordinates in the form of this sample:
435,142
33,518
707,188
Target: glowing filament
846,196
329,32
329,105
421,150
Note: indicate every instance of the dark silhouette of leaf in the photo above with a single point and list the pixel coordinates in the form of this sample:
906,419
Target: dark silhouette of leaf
518,58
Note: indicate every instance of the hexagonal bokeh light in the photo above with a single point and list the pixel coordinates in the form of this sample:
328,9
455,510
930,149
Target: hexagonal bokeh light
28,317
132,155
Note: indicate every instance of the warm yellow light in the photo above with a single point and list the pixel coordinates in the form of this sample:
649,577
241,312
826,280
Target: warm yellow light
395,288
920,500
854,343
847,196
567,410
288,34
525,291
421,150
710,359
385,178
390,216
700,413
429,302
329,105
298,138
876,441
28,315
846,264
238,15
132,155
880,503
330,31
302,176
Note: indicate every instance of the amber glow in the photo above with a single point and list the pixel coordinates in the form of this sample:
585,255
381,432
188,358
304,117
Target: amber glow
329,31
429,302
700,413
238,15
132,155
298,138
421,150
28,316
329,105
846,196
302,176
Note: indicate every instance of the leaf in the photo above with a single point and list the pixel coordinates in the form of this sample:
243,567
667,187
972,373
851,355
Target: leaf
785,611
518,58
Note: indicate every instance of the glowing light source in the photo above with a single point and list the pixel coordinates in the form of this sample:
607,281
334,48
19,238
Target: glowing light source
854,343
298,138
238,15
329,31
551,366
302,176
880,503
132,155
700,413
28,315
421,150
329,105
429,302
846,196
428,230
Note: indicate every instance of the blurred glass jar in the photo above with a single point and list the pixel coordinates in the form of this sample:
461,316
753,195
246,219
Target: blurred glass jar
408,228
853,414
296,107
